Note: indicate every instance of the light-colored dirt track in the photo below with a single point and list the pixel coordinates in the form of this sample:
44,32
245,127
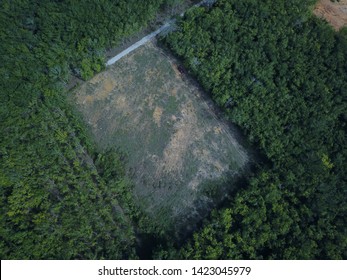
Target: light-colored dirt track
150,36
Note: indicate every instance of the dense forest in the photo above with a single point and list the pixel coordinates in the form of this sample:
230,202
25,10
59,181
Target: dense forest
280,74
57,199
276,70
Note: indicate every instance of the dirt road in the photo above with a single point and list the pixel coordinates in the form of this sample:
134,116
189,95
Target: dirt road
143,41
147,38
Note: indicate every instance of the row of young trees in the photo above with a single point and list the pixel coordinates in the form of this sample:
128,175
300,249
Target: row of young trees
280,74
55,202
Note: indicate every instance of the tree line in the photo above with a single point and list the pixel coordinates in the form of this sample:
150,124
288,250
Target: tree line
280,74
56,198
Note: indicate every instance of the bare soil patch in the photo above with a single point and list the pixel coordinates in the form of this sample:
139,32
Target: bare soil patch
333,12
176,144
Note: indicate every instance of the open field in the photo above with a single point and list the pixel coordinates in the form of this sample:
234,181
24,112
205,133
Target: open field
176,144
334,12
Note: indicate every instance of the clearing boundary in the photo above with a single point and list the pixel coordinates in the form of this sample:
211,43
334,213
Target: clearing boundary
179,151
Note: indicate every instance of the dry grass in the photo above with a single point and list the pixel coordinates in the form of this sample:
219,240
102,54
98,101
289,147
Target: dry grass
175,142
333,12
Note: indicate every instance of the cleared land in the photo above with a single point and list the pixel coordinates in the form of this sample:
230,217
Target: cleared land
176,144
333,12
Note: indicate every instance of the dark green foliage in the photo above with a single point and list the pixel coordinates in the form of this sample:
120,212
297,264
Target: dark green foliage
280,73
72,36
53,202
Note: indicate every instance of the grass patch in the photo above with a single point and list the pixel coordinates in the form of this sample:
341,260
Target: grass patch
175,143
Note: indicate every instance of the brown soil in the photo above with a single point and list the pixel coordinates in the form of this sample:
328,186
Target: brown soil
333,12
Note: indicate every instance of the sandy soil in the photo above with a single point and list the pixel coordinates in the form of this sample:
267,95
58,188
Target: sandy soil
333,12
